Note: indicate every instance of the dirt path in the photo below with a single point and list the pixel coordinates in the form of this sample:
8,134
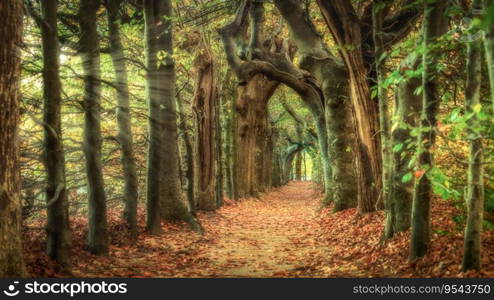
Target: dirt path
282,234
274,236
271,236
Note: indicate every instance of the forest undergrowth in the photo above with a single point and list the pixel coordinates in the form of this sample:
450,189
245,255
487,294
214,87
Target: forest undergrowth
281,234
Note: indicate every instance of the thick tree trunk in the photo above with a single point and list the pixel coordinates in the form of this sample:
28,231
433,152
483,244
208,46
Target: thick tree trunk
205,102
346,30
165,199
334,121
123,118
11,260
475,192
342,144
378,11
89,52
251,121
434,20
57,225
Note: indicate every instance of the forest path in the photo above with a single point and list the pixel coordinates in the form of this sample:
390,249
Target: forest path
275,235
270,236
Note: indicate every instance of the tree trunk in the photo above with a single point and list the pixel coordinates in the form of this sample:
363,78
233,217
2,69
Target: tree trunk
298,167
342,143
89,52
219,155
165,199
205,102
335,120
434,20
123,118
378,11
228,163
251,125
188,157
475,193
11,260
347,34
155,150
57,226
408,105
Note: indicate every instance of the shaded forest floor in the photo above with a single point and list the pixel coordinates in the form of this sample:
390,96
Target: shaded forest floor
282,234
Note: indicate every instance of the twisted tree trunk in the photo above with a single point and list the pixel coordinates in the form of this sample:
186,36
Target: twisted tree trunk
475,193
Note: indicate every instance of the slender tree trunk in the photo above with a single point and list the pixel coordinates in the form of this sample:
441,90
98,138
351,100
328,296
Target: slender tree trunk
57,225
298,167
422,194
165,199
205,102
379,9
342,142
189,156
155,120
123,118
89,52
232,141
250,123
408,105
348,36
475,195
11,260
335,122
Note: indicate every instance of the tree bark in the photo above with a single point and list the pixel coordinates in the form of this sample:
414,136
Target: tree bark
11,260
408,105
89,52
154,160
251,121
335,123
347,32
434,22
165,199
57,225
298,167
475,192
378,11
123,117
188,156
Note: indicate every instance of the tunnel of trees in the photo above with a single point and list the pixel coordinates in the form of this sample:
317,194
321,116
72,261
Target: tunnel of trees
138,122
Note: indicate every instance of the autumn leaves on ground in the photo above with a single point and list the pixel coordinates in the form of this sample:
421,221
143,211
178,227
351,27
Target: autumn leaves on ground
281,234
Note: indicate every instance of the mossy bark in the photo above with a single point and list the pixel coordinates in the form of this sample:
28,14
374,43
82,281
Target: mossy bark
11,259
